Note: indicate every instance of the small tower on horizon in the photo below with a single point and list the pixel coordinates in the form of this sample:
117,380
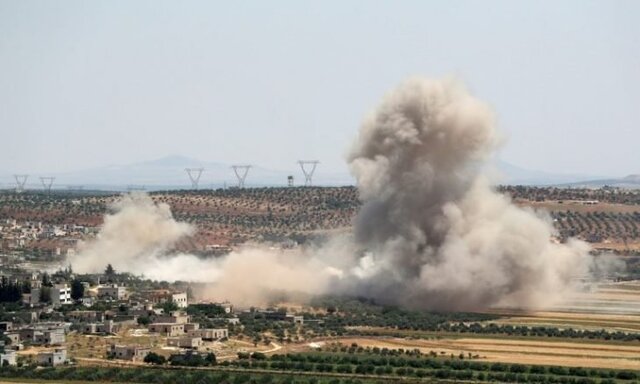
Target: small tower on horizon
308,168
47,182
241,172
21,181
194,176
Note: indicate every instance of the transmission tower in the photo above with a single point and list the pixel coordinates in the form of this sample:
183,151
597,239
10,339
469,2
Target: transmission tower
308,173
194,176
47,182
241,172
21,180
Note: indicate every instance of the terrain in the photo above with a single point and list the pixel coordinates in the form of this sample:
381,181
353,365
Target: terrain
592,337
608,218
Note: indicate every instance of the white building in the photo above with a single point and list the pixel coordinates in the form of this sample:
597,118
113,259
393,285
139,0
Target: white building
180,299
61,294
8,358
210,333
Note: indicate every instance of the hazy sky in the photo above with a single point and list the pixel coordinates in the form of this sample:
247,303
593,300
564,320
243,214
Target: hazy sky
90,83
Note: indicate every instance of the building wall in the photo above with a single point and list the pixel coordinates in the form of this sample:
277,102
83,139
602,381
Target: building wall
58,357
8,358
180,299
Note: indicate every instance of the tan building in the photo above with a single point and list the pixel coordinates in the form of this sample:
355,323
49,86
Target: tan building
86,316
185,342
113,292
210,333
168,329
178,317
52,358
128,352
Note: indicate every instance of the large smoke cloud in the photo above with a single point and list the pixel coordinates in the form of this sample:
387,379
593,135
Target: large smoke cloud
433,232
439,236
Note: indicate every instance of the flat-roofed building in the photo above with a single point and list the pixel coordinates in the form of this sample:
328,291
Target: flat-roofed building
210,333
86,316
61,295
185,342
168,329
52,358
129,352
113,292
8,357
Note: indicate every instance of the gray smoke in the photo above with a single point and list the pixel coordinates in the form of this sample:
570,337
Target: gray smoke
432,233
438,235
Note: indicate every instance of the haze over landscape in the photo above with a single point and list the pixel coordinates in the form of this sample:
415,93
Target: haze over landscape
84,87
288,192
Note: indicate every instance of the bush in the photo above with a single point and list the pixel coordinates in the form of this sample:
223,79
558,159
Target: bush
154,358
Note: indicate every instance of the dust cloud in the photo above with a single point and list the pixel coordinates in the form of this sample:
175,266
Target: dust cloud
432,232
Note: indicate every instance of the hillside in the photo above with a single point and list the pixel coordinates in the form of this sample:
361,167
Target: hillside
608,218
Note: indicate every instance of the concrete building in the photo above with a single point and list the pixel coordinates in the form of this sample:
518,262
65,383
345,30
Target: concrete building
52,358
283,316
161,296
44,334
191,327
185,342
14,336
168,329
50,337
113,292
6,326
61,295
103,328
210,334
8,357
129,352
85,316
178,317
226,306
180,299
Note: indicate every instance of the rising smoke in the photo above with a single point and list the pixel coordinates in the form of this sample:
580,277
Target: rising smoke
432,233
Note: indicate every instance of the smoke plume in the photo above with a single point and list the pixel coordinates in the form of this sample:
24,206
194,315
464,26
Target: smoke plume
439,236
432,233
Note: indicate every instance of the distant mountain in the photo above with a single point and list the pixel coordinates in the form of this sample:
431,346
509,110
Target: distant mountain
631,182
169,173
515,175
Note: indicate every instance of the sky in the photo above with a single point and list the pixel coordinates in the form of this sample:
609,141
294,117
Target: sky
90,83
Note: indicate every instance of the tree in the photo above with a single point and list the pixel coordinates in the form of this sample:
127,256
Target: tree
46,280
144,320
109,271
45,294
210,359
77,290
154,358
169,306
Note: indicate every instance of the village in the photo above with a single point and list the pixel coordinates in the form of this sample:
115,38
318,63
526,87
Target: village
66,319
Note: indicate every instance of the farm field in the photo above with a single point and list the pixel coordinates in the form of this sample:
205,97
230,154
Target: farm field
542,352
612,307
